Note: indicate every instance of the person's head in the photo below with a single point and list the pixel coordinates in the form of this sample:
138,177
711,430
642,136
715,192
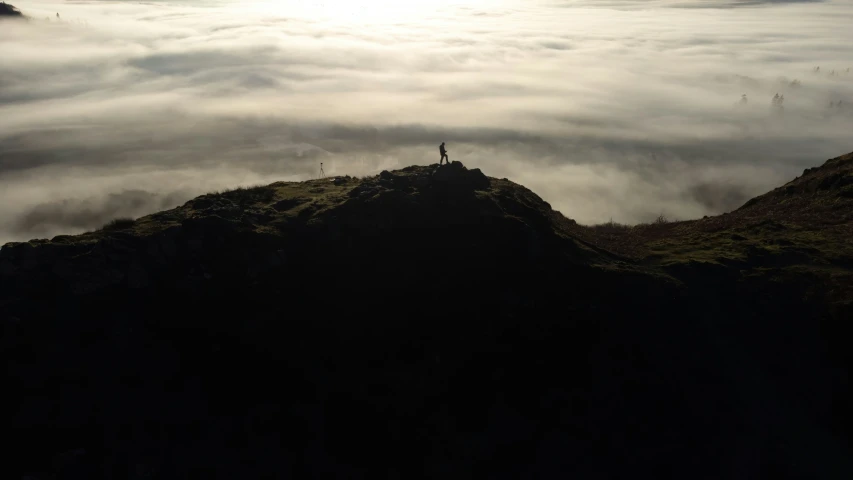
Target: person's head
442,143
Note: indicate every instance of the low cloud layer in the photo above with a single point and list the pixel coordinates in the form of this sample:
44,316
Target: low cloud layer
614,109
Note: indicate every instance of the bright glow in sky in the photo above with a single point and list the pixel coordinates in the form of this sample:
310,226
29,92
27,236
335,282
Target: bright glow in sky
364,11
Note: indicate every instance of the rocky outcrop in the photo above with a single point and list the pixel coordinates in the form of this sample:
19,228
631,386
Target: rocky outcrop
455,177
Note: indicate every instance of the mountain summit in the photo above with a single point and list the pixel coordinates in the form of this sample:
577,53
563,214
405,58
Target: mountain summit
433,322
421,215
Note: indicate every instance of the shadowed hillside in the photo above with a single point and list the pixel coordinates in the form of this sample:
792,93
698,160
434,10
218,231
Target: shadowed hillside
7,10
434,323
801,230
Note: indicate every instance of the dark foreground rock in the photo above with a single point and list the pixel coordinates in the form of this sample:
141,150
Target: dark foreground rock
9,11
424,323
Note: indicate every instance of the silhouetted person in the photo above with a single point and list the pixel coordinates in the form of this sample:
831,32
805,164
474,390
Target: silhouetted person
743,99
443,152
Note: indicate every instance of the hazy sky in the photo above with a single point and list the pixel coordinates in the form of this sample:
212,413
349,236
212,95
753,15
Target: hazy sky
619,109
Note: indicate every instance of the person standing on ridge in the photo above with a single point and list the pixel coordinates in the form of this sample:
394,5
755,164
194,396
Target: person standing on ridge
443,152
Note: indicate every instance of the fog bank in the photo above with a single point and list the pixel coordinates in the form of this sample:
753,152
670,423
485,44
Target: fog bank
616,110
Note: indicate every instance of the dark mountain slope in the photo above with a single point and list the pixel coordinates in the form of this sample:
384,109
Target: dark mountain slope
801,230
425,323
7,10
343,221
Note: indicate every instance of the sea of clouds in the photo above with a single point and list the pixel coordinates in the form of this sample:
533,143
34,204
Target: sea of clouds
608,109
